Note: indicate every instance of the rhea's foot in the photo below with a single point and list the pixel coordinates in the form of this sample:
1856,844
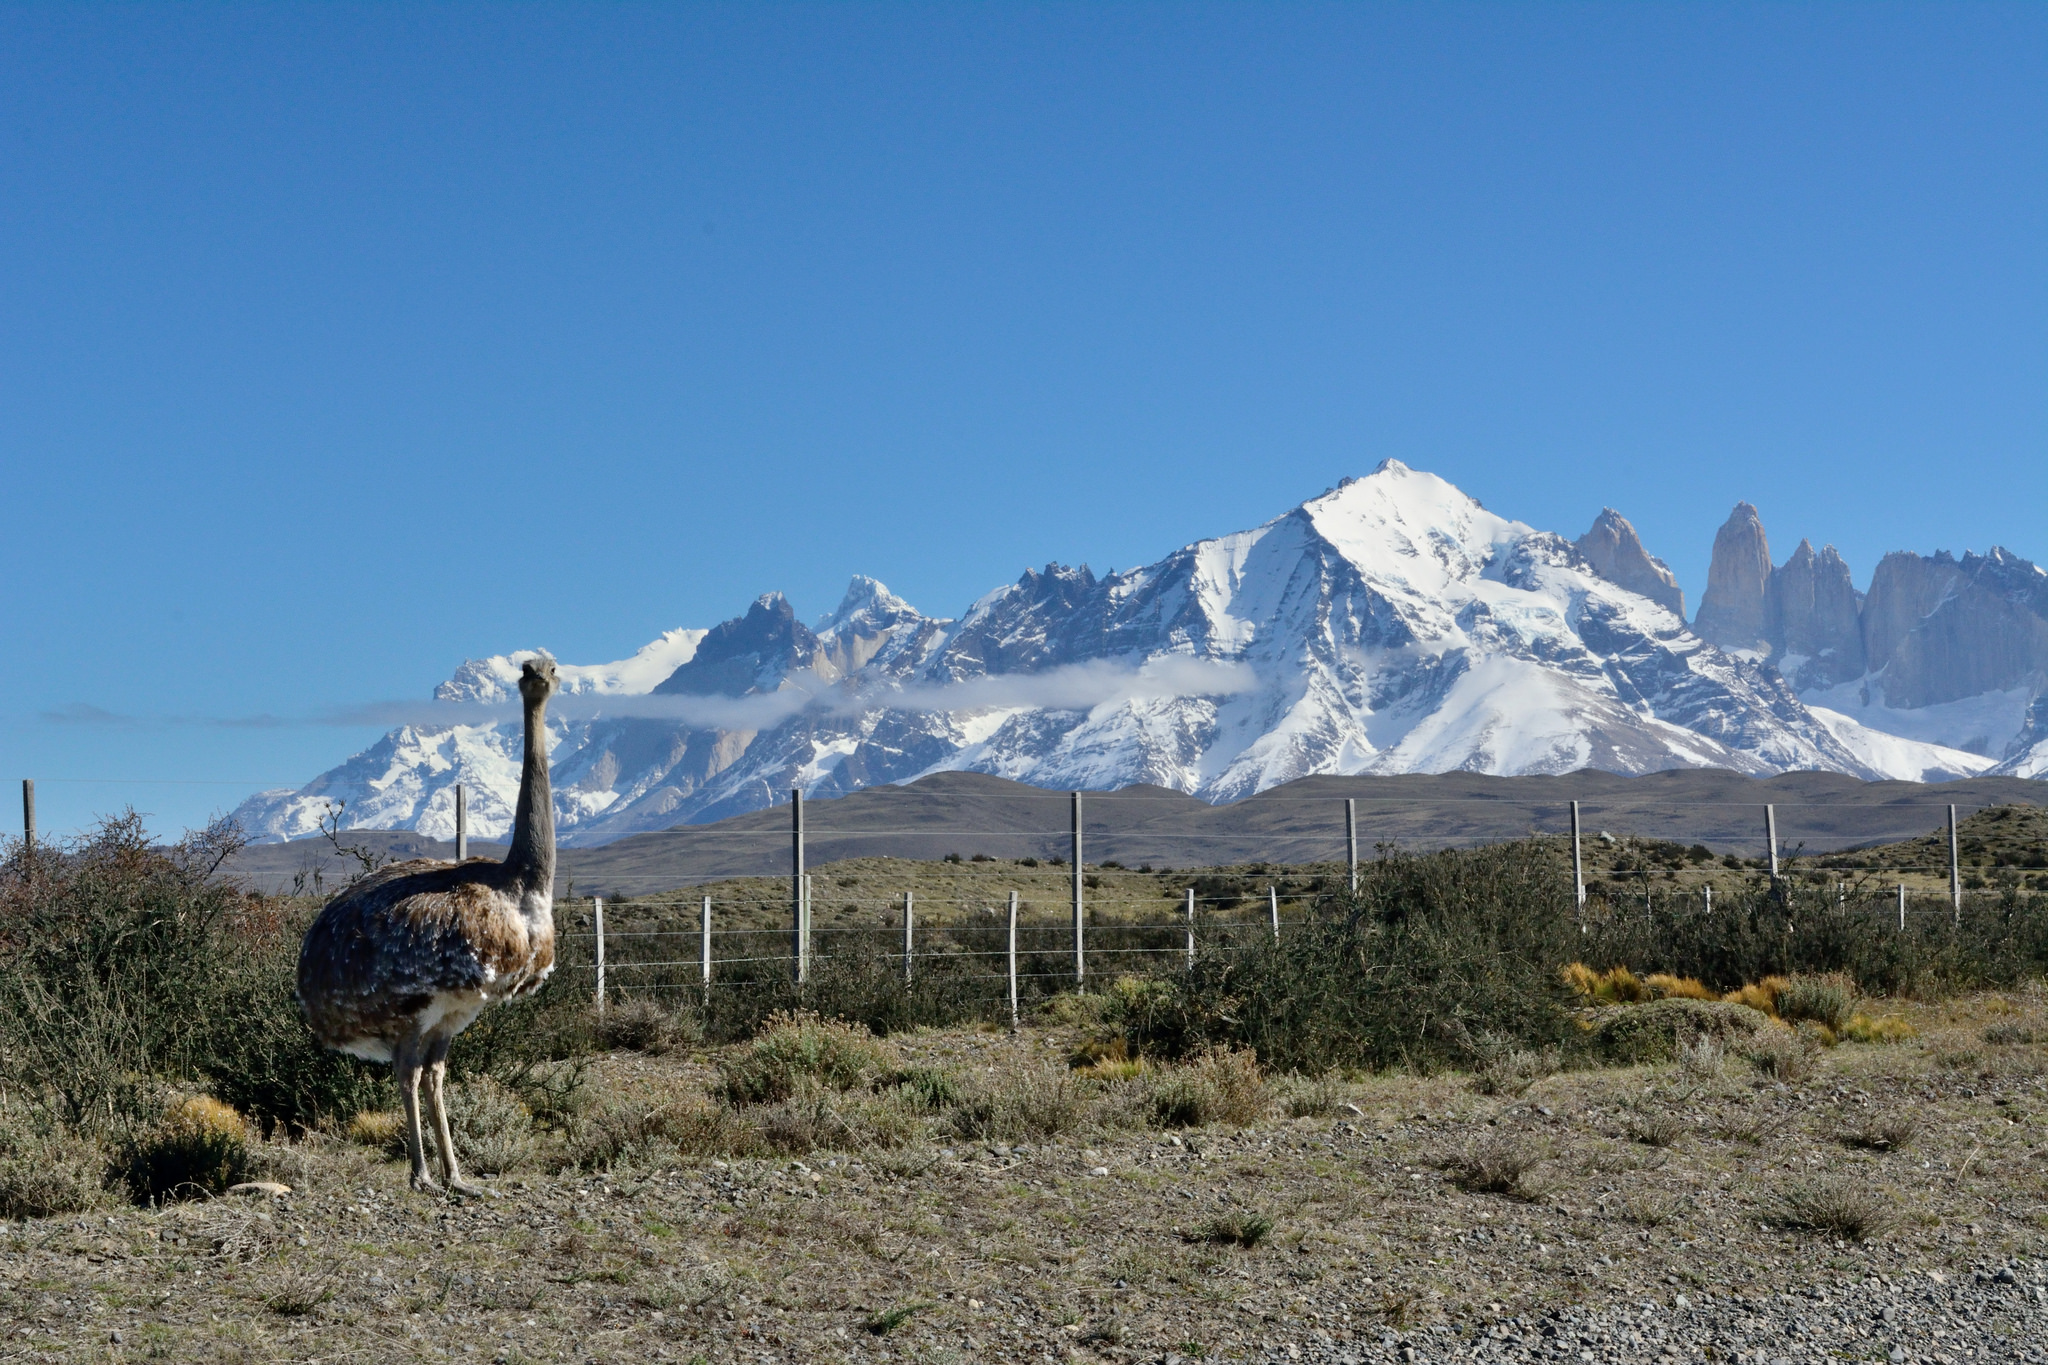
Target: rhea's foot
460,1186
425,1183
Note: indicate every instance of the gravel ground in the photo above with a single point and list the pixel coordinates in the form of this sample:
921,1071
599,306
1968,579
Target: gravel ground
1650,1223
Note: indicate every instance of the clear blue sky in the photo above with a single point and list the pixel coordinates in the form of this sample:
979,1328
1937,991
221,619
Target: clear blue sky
340,343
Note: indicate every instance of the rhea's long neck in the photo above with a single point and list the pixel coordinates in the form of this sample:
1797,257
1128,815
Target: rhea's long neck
532,857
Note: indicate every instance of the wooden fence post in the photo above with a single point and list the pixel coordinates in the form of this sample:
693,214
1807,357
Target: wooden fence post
1771,837
1273,907
1578,866
909,946
704,920
1902,907
799,945
28,813
1191,928
1351,840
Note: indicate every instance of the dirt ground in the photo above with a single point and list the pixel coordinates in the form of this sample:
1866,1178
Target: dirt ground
1655,1183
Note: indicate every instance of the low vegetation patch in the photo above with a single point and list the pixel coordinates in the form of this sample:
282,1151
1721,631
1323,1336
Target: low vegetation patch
1834,1206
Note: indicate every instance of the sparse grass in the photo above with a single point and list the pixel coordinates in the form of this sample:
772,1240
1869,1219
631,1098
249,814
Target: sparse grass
1234,1227
1880,1133
1781,1055
1701,1057
644,1026
2011,1035
1655,1128
1648,1209
1512,1072
887,1321
1502,1164
493,1128
1311,1098
1835,1206
1881,1029
1220,1086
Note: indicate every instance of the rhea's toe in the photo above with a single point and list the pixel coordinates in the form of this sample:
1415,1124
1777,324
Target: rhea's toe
463,1187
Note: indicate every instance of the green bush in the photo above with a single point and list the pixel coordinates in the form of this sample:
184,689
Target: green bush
200,1148
1653,1031
1826,1000
835,1054
45,1172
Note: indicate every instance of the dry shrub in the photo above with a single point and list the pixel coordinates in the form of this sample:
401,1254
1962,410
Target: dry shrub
1761,996
1825,1000
1880,1133
923,1087
1514,1071
2010,1035
200,1147
492,1127
1222,1085
1649,1209
45,1173
644,1026
1885,1028
816,1118
1501,1164
1664,986
1700,1057
1311,1098
642,1132
1022,1103
835,1054
1781,1055
1837,1206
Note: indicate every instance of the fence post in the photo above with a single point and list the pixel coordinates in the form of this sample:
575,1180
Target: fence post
704,920
799,957
1013,961
597,914
1191,928
28,813
1771,837
1955,869
1578,867
909,944
1080,943
1902,907
1273,907
461,824
1351,840
807,927
1709,892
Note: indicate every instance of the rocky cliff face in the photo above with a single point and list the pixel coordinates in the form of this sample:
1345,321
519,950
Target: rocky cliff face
1617,555
1732,608
1937,630
1812,619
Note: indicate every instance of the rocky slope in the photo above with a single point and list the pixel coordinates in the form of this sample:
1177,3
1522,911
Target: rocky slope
1392,625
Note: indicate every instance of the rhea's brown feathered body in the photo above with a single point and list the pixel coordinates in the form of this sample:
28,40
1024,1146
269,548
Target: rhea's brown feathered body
405,959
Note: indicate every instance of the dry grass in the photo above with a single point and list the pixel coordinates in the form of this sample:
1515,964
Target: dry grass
1782,1055
837,1055
1235,1227
1835,1206
1502,1164
1880,1133
1881,1029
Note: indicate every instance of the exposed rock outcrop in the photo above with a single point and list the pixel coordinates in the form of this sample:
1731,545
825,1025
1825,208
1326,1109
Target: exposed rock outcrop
1938,630
1811,611
1617,555
1732,607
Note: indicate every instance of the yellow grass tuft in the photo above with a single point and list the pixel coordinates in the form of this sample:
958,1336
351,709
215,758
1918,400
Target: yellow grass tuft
203,1114
1761,996
1665,986
382,1129
1616,986
1886,1028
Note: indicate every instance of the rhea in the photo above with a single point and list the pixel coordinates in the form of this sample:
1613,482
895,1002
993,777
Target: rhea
405,959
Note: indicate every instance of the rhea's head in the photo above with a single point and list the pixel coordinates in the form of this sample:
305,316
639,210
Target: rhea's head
537,679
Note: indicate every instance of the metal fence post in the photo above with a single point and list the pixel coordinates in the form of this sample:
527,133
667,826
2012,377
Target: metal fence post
1351,840
909,946
1191,928
1273,907
704,920
461,824
597,914
1708,891
1955,869
28,813
1771,837
1013,962
1578,865
1902,907
799,957
1080,943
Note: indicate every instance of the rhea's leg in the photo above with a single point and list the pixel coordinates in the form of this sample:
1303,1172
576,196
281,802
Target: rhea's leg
405,1070
437,1075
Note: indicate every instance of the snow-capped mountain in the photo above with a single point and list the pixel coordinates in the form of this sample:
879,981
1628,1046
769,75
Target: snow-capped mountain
1391,625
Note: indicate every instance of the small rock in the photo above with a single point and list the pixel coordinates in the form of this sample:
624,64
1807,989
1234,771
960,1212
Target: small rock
2006,1276
259,1187
1354,1110
114,1338
1680,1301
1099,1170
1897,1356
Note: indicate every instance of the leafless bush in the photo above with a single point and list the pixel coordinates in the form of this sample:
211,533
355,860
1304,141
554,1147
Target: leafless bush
1700,1057
1781,1055
644,1026
1305,1098
48,1172
1655,1128
493,1129
1220,1086
1024,1103
1514,1071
